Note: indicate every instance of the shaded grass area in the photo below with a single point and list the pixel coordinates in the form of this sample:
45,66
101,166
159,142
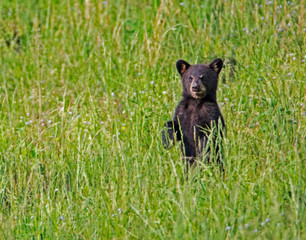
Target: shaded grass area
86,87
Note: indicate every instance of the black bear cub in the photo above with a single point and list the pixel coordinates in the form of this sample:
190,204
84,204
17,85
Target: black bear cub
197,114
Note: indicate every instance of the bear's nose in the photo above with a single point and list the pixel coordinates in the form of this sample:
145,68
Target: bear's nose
195,87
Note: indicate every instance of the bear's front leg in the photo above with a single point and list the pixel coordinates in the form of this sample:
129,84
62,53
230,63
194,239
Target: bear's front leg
171,132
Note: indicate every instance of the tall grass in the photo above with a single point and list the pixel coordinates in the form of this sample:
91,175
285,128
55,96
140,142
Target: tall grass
86,87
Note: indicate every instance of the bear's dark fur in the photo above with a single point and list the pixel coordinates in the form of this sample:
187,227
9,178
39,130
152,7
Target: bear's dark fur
197,113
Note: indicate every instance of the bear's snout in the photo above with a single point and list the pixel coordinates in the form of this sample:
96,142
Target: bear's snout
195,87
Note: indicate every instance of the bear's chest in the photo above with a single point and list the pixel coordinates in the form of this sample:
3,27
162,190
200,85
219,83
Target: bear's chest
192,116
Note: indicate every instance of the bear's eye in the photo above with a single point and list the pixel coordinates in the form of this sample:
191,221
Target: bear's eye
190,79
202,77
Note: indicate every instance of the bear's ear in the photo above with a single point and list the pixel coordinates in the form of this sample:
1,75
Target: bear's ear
216,65
182,66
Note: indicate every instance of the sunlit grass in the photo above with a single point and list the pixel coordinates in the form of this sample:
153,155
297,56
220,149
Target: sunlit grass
86,87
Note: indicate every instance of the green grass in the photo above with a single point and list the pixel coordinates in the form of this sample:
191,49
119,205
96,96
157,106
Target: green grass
86,87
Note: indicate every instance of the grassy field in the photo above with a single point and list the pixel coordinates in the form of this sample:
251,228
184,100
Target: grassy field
86,87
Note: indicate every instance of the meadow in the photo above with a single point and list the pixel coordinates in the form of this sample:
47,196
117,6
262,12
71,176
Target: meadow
85,88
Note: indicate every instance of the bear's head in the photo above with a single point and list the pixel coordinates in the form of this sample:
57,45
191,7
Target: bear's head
200,81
